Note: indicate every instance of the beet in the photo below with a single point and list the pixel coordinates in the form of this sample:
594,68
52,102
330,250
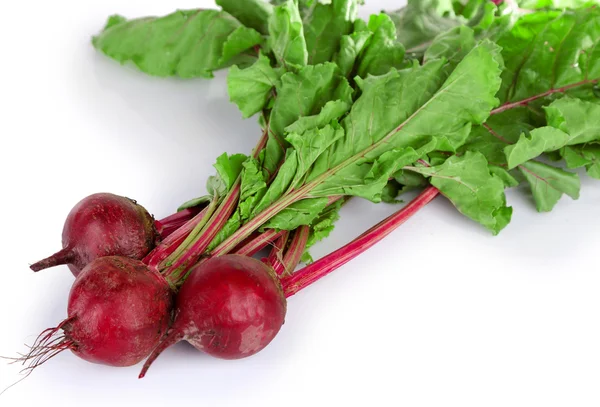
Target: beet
103,225
118,311
229,307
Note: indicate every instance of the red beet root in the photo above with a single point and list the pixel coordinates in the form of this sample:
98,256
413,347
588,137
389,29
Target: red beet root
119,309
230,307
103,225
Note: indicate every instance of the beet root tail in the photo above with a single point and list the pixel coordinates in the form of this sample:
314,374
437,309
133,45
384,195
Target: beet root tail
64,256
170,339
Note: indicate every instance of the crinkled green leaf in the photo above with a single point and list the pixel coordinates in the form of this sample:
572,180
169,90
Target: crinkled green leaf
253,188
286,36
579,119
300,94
505,176
587,155
282,181
252,13
187,43
421,21
251,88
416,108
390,192
299,213
228,169
530,146
238,41
499,131
367,178
452,45
549,50
331,111
324,27
467,182
548,184
382,52
350,48
310,145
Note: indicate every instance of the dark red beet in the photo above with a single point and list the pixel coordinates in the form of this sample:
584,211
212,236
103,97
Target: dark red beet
103,225
119,309
230,307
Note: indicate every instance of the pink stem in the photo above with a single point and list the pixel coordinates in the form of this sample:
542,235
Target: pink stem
256,243
315,271
525,102
296,250
170,244
275,258
170,224
192,254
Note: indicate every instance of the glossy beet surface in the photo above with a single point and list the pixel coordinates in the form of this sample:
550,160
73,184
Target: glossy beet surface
103,225
230,307
118,310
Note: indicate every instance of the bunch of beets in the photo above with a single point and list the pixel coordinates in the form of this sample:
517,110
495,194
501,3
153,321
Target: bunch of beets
462,106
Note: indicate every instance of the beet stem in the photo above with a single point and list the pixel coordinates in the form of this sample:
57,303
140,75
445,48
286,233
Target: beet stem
62,257
320,268
294,253
275,259
170,224
254,245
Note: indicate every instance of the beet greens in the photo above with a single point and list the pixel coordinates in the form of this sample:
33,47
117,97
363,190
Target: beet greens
462,100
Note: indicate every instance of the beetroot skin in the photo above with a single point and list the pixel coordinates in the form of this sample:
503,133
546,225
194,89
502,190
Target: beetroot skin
103,225
119,309
229,307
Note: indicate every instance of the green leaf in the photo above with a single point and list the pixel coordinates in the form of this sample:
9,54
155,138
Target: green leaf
232,224
367,178
452,45
505,176
550,50
253,188
350,48
403,115
301,94
475,192
499,131
323,225
228,169
187,43
390,192
534,4
239,41
282,181
539,141
419,23
192,203
324,27
382,52
548,184
251,88
310,145
299,213
252,13
287,36
587,155
579,119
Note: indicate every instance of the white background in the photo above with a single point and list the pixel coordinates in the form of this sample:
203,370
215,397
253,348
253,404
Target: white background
439,314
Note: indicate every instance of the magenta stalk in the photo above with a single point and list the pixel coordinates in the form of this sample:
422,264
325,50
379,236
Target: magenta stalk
320,268
255,244
294,253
